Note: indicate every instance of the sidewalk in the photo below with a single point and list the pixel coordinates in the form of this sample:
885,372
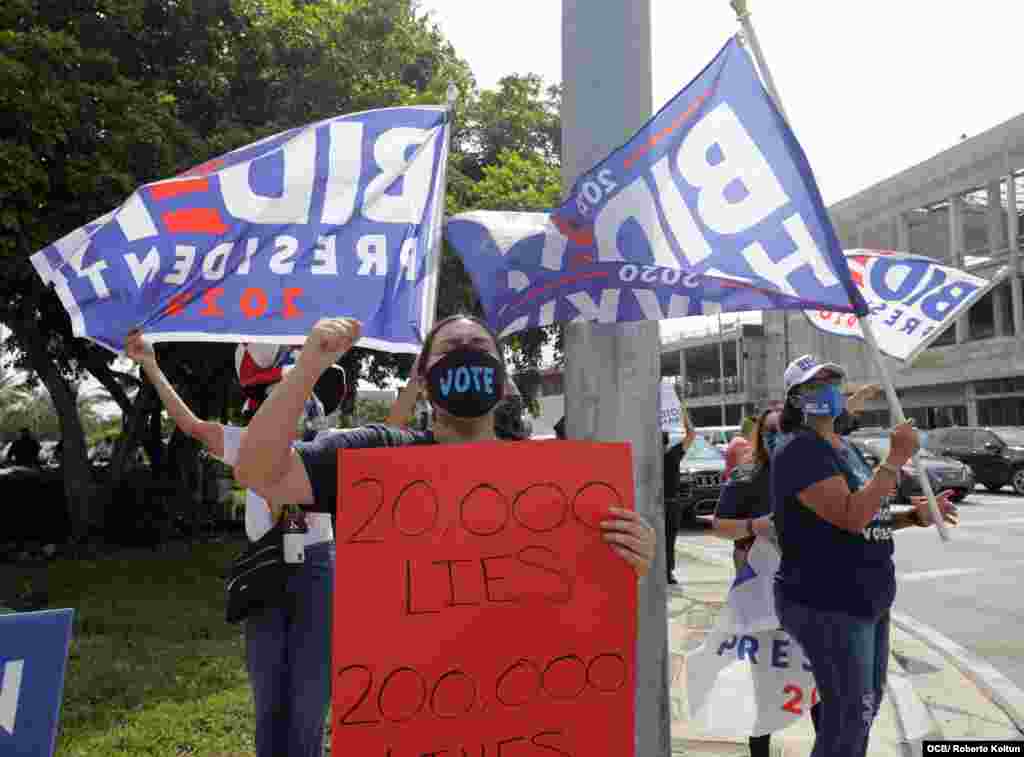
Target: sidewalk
923,684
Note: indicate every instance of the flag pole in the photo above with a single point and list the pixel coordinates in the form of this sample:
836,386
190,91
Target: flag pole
743,16
897,411
433,272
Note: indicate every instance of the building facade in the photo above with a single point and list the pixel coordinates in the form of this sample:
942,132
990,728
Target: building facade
963,207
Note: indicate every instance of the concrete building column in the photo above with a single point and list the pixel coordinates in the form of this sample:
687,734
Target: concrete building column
740,367
972,404
999,295
956,254
902,233
1012,223
682,369
994,217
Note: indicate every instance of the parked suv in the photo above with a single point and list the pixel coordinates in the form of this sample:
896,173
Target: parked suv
944,473
995,453
700,478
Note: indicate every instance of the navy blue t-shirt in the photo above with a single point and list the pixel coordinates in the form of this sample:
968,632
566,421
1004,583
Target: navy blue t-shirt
823,566
321,456
746,494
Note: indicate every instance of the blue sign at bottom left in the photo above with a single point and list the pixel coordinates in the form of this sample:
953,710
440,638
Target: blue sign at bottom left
33,657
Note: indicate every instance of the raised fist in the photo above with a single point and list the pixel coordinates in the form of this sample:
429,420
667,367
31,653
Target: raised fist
138,349
329,340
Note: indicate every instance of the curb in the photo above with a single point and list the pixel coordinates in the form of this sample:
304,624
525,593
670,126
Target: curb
993,684
704,555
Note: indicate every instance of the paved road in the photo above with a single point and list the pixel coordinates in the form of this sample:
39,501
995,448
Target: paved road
970,589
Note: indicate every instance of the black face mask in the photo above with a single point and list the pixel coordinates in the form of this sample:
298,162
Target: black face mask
467,383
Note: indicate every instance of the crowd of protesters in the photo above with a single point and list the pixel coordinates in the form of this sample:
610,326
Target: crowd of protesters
285,457
792,478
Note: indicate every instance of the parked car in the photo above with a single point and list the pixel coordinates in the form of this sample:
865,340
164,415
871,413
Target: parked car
944,473
871,431
720,436
994,453
700,477
47,454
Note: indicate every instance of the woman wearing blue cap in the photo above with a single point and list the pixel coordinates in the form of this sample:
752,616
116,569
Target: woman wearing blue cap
836,582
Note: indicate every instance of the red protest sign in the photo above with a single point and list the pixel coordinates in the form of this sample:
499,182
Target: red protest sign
477,610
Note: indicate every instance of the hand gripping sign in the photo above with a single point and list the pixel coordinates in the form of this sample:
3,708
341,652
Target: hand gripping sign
477,610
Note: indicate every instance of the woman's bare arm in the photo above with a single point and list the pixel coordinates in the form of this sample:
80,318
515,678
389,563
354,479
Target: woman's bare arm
735,529
405,404
208,433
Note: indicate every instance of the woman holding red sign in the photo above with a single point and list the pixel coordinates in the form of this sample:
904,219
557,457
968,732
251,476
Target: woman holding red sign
287,615
461,367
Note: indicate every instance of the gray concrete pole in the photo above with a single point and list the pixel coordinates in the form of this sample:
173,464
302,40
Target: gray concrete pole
612,371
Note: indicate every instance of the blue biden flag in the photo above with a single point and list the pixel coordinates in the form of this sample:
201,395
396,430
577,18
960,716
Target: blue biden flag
337,218
711,207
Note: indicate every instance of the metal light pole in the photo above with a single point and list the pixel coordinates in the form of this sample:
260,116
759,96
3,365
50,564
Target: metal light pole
721,367
612,371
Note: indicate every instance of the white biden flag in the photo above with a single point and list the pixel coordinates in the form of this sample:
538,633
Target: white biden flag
749,677
912,299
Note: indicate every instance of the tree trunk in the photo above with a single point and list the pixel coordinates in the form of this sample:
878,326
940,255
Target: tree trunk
78,488
130,437
102,372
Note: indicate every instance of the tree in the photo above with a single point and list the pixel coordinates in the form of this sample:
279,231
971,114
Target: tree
99,96
371,411
13,393
520,116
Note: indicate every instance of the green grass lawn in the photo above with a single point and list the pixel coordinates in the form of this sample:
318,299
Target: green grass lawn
154,669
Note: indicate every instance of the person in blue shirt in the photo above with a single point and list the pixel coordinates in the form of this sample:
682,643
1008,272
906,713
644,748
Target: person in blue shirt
836,582
744,512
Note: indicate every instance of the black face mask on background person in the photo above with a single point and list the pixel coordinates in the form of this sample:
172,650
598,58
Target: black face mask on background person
466,383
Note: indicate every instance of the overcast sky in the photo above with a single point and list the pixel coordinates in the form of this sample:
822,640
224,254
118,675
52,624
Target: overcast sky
871,87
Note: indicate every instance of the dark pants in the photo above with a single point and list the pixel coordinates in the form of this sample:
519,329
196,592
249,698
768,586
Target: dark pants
673,514
672,518
850,658
288,653
761,746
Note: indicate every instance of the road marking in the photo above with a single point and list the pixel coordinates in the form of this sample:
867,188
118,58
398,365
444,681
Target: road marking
986,523
995,686
927,575
968,524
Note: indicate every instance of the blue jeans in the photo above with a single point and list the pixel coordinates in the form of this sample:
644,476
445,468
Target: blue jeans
288,653
850,659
